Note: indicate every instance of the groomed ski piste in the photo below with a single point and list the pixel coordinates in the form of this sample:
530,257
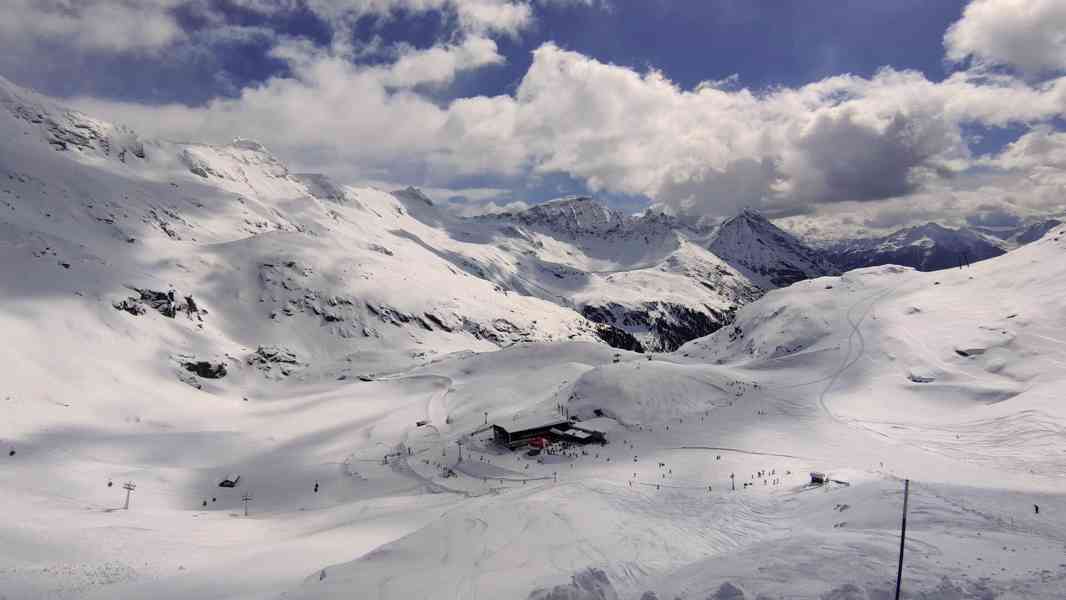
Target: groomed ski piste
951,379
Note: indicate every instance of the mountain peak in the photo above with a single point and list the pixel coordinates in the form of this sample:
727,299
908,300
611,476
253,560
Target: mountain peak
926,247
769,255
575,215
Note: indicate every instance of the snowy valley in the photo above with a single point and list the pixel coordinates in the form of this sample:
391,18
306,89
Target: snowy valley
177,314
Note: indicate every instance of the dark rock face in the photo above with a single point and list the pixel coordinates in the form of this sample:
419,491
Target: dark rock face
661,326
728,591
618,338
165,303
1036,231
206,369
590,584
275,361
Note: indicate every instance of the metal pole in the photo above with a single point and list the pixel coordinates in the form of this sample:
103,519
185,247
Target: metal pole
903,534
129,486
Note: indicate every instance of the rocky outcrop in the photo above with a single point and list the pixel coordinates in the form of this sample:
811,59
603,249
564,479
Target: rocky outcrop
168,304
590,584
655,326
618,338
206,369
67,130
275,361
192,371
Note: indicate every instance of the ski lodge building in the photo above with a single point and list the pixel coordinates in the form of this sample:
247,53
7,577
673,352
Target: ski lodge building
522,433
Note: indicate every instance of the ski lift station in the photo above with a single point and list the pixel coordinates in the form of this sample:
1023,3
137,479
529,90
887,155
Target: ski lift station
536,432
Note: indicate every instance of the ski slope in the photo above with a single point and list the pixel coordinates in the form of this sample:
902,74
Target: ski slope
344,317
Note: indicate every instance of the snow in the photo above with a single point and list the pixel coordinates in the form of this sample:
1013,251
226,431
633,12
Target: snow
346,316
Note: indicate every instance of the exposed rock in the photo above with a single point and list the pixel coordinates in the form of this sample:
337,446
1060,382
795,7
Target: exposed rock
130,305
727,591
275,361
164,303
205,369
619,338
590,584
655,326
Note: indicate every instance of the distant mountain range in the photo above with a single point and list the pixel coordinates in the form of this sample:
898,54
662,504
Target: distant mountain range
320,271
931,247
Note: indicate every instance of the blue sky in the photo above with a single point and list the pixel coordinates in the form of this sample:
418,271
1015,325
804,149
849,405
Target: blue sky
501,102
765,44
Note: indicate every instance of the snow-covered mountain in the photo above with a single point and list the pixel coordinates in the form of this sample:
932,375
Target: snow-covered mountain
766,254
174,315
1018,235
648,277
376,274
928,247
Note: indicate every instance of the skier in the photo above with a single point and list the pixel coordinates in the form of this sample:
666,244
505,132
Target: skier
1036,509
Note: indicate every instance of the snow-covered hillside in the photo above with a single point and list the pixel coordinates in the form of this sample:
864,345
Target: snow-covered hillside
649,277
765,253
946,378
345,350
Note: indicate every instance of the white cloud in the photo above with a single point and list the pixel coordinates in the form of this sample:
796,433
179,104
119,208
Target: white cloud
103,25
841,141
122,26
506,17
438,65
1027,34
704,151
714,150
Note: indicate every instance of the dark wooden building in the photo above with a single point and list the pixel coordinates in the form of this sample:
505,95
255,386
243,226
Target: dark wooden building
521,433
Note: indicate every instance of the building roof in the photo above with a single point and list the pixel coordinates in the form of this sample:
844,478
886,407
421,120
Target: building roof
525,423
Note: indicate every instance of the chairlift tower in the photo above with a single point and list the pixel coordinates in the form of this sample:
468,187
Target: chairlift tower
129,486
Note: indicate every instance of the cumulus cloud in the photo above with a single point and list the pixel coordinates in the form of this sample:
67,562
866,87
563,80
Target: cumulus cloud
843,141
710,150
1027,34
104,25
506,17
121,26
704,151
438,65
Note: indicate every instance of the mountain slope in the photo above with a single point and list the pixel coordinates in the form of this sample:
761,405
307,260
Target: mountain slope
276,258
767,255
928,247
947,379
344,351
